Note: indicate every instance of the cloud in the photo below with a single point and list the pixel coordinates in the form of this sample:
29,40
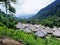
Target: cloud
31,6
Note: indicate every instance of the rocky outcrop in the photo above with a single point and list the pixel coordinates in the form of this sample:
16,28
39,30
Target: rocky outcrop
6,41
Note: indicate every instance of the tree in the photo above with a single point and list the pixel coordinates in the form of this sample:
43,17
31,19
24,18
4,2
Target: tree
8,7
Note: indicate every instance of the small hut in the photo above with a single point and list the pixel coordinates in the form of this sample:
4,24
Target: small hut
56,33
48,30
27,30
55,28
33,28
40,33
20,26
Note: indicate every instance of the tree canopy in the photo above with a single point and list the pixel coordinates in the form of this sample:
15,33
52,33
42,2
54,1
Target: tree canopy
8,6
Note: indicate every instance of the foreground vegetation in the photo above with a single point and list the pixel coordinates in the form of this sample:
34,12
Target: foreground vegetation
3,20
28,39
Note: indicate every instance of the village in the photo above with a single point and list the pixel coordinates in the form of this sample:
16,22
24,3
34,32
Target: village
39,30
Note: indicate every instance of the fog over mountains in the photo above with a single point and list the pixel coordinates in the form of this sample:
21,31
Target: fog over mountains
27,8
30,8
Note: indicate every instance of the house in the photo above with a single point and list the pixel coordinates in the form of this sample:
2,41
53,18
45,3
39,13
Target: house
56,33
48,30
40,34
20,26
55,28
27,30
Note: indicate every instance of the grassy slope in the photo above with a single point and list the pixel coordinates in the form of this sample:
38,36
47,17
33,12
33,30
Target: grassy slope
28,39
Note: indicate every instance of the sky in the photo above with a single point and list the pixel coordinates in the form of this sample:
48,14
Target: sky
27,7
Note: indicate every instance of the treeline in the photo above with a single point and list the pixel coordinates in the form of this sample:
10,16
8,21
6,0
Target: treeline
50,21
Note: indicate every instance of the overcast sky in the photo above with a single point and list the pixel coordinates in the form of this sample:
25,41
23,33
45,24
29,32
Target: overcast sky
27,7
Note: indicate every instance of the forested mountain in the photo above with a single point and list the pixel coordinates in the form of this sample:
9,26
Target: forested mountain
48,16
50,10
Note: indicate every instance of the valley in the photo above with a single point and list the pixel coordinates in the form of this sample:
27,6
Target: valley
30,27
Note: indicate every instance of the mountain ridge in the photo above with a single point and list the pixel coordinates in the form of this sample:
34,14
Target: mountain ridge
50,10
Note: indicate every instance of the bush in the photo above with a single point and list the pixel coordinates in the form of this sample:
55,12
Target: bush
28,39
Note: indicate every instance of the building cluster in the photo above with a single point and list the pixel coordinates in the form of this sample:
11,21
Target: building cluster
39,30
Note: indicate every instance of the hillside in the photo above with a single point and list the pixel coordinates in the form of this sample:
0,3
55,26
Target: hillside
51,10
48,16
